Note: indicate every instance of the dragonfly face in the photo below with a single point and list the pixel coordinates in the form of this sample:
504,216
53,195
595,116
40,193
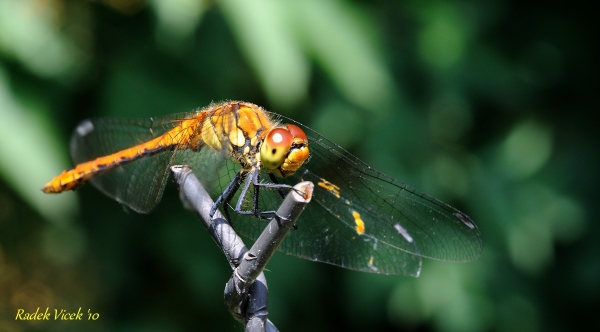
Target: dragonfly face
284,150
359,218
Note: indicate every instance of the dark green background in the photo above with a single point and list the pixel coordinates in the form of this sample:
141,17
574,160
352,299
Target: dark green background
488,105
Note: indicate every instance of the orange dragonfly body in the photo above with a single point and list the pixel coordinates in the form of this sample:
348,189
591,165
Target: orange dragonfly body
358,218
236,127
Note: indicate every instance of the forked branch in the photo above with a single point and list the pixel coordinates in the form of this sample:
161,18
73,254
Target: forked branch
246,291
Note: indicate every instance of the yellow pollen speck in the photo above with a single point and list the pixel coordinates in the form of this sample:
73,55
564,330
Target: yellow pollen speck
371,266
360,225
335,190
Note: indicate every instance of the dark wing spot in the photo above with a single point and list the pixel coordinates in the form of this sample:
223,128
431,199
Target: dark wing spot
465,219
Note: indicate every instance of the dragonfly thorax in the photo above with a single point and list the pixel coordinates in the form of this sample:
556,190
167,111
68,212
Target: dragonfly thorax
253,139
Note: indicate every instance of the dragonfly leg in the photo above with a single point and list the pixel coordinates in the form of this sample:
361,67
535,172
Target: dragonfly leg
228,199
281,193
257,186
274,180
253,179
279,186
228,193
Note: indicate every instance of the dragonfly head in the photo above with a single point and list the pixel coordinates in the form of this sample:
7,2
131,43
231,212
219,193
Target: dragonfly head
284,150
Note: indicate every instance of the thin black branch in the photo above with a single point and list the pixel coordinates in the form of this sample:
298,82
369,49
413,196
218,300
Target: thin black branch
246,293
197,199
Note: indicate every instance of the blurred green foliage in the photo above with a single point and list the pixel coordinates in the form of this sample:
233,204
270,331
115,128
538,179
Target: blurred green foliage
487,105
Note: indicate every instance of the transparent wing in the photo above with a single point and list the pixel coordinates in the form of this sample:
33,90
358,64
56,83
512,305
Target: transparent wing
138,184
359,218
399,224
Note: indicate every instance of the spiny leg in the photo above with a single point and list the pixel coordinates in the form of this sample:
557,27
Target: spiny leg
254,180
281,193
274,180
229,197
228,193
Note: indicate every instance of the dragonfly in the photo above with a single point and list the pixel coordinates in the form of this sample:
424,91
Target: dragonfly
358,219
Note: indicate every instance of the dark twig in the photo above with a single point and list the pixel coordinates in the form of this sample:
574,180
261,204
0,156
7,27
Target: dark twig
246,292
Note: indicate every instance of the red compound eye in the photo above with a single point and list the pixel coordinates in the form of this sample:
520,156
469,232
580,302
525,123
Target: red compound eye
296,131
275,148
279,137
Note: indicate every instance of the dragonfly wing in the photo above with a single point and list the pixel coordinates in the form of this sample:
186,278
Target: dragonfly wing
325,234
405,223
439,230
212,167
138,184
357,238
